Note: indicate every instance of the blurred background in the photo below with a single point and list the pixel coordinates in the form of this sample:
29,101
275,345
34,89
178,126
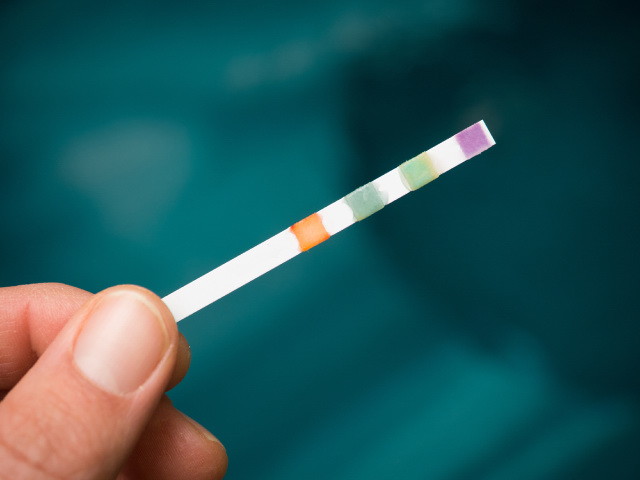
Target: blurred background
485,327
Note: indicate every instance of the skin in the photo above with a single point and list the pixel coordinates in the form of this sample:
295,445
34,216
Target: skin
55,423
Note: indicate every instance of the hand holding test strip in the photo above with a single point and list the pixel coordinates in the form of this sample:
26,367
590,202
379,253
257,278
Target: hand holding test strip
112,355
321,225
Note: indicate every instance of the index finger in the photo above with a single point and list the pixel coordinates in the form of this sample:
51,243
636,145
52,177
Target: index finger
30,318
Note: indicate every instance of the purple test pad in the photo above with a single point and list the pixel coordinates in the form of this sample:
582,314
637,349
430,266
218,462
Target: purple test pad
473,140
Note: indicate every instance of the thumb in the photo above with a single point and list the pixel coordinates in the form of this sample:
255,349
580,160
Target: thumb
80,410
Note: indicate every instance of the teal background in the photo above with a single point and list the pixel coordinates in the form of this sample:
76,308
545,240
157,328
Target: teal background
484,327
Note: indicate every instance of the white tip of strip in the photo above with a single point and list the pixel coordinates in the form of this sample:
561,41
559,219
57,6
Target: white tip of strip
487,133
336,217
391,186
446,155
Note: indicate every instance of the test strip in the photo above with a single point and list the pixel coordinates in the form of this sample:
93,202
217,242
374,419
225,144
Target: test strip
319,226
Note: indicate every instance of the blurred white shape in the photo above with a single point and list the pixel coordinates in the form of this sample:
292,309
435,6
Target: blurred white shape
354,32
246,72
294,59
134,171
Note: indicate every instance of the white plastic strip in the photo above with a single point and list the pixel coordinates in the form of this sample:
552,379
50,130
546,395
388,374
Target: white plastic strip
446,155
232,275
391,185
335,217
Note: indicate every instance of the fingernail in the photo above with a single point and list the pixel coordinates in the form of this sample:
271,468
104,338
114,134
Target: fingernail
121,342
201,430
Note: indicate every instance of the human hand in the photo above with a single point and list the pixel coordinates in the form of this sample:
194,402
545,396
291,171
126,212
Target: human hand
83,378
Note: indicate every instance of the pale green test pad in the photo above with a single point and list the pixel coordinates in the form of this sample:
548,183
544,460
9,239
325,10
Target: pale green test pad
418,171
365,201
